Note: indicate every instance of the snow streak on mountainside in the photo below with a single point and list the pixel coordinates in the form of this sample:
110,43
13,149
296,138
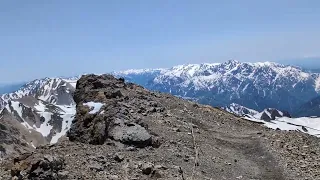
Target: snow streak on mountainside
44,105
254,85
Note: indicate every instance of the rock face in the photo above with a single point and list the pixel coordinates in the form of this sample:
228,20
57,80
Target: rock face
113,118
123,131
14,138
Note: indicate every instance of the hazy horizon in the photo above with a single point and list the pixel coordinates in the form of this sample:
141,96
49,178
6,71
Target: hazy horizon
310,64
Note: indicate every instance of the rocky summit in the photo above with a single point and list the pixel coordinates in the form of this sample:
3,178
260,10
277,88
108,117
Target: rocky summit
123,131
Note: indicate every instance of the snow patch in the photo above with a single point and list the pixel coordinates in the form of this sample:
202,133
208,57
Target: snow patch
33,145
95,106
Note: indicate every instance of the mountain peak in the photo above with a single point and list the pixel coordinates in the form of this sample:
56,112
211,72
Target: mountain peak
232,61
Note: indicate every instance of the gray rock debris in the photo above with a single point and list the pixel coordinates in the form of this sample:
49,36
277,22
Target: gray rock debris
36,166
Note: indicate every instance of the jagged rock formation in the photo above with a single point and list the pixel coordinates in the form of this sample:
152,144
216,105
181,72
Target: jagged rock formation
271,114
109,118
164,137
266,115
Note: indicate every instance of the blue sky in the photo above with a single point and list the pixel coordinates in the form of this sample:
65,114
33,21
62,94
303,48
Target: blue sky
65,38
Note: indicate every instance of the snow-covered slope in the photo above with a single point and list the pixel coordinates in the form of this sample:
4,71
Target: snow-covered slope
44,105
304,124
254,85
276,119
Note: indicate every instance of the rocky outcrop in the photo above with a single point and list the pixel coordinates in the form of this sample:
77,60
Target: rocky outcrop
115,118
271,114
123,131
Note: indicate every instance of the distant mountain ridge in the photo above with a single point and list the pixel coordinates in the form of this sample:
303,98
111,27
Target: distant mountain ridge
254,85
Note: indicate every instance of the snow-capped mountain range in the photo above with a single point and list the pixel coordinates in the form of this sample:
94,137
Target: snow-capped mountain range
47,106
254,85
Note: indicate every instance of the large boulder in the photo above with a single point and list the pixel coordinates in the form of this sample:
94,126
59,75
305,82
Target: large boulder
133,134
